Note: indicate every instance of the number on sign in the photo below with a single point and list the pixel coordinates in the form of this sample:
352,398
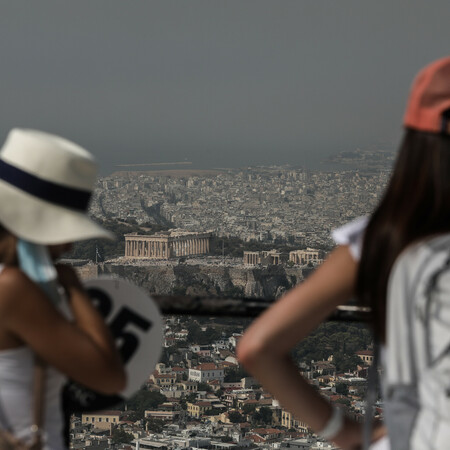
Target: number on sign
128,341
101,301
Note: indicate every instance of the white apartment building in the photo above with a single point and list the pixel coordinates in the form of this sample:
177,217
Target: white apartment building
206,372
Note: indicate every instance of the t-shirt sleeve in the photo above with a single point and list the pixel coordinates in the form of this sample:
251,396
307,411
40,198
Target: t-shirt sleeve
351,234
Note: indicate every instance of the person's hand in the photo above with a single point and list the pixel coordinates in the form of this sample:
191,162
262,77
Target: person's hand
67,277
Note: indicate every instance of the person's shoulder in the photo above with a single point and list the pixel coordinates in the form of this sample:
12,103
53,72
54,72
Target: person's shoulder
14,285
11,276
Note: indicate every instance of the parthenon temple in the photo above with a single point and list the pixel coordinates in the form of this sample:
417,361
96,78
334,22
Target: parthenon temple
166,245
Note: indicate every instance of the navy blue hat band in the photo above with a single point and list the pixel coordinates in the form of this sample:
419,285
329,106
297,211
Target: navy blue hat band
45,190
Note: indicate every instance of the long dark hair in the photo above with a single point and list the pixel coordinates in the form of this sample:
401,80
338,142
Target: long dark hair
415,205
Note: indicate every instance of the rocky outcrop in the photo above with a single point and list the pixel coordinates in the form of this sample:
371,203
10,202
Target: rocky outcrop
209,280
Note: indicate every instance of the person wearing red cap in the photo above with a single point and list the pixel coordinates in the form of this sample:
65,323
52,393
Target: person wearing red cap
414,210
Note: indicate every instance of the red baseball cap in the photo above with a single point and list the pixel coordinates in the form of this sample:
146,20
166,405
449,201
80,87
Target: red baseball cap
429,101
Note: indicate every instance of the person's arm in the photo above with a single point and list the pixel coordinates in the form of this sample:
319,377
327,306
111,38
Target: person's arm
264,350
82,349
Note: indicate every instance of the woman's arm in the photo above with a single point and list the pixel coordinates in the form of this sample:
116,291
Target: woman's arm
83,349
264,349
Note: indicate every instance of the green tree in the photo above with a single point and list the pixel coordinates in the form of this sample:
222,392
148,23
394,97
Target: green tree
339,339
220,392
346,363
145,399
213,412
266,415
183,404
197,336
133,416
342,388
344,401
248,409
120,436
235,417
234,375
155,425
202,386
191,398
263,416
194,331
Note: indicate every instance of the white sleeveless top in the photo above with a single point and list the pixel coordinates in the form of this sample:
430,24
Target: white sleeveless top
16,396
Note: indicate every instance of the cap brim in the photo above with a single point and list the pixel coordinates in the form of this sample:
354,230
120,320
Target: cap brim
41,222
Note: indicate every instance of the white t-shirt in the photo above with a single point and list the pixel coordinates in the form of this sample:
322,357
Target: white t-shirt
351,234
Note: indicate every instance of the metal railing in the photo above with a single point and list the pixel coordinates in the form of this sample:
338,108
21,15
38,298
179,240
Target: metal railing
242,307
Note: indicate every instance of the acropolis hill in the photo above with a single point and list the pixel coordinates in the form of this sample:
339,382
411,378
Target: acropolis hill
207,280
264,207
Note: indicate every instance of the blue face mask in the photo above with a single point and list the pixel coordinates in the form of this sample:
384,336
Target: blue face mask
36,263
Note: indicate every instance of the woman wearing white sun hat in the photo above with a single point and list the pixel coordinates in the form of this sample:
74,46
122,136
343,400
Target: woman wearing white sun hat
45,186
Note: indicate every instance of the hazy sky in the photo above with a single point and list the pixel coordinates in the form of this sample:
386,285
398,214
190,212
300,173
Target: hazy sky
219,83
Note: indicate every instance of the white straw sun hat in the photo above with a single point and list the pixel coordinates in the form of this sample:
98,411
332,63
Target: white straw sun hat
45,186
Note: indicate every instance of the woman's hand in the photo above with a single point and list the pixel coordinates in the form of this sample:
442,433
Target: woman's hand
68,278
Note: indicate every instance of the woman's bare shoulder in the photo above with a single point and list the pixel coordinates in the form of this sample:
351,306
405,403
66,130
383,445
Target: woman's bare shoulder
12,278
15,286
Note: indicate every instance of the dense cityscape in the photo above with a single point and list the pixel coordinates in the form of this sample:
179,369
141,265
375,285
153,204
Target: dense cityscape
199,396
256,203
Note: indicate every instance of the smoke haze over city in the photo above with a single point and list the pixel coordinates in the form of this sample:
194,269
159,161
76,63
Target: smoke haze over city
218,84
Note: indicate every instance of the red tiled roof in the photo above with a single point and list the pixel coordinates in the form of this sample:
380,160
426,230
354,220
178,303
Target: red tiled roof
262,431
255,438
365,352
250,402
228,363
207,366
105,413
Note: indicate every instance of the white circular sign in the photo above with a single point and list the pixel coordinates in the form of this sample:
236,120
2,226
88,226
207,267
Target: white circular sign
136,325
